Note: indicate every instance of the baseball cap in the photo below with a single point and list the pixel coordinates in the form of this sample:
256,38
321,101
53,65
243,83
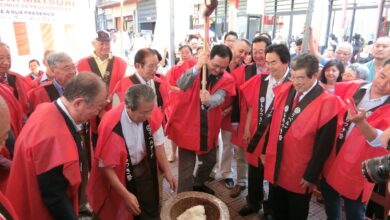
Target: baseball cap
103,35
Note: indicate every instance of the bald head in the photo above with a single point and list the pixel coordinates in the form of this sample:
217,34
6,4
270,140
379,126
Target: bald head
240,49
381,49
85,96
5,122
86,85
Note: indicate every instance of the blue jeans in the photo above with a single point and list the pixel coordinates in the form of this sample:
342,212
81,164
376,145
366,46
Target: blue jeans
354,209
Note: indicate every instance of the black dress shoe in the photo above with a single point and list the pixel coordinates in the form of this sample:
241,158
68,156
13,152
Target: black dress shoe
204,188
247,210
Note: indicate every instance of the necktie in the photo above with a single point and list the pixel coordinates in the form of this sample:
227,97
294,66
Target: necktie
3,77
85,165
296,100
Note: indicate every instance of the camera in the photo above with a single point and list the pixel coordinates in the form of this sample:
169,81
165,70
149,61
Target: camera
377,170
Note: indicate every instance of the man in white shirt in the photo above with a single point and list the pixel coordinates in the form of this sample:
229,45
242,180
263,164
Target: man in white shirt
129,148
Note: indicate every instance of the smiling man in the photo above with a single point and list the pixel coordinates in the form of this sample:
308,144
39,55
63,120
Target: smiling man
146,64
110,68
64,70
302,132
13,80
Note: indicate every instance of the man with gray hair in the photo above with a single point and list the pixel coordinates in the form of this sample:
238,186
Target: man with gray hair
48,171
355,71
343,52
129,148
61,64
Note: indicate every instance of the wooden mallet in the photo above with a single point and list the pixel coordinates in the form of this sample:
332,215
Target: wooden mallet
210,5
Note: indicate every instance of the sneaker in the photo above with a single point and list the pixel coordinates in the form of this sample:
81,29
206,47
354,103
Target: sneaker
236,191
211,176
229,183
267,216
247,210
204,188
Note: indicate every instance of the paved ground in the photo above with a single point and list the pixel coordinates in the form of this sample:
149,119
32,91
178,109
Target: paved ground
316,209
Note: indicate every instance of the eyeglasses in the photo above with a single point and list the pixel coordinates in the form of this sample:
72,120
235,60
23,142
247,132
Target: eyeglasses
298,79
261,52
68,68
272,63
151,66
339,52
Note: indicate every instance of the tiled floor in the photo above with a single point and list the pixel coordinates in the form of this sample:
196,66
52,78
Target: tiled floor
316,209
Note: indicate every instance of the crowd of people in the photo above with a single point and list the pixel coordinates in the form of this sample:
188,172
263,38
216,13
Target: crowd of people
85,139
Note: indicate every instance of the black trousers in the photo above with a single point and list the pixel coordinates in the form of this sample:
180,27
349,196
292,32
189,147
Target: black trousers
255,195
146,191
290,205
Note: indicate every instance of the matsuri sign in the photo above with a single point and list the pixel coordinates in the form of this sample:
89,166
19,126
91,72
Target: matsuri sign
30,27
41,10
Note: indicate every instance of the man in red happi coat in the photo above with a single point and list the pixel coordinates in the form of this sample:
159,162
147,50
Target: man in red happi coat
196,119
123,182
301,136
48,171
359,140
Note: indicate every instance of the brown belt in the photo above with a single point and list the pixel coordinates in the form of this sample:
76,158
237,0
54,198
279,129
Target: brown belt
141,168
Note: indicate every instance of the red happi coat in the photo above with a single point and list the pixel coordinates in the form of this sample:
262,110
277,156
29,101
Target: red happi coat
35,154
32,83
117,73
227,119
250,92
173,75
345,174
344,90
111,149
8,207
18,88
183,126
16,116
239,75
176,71
125,83
15,110
300,138
40,94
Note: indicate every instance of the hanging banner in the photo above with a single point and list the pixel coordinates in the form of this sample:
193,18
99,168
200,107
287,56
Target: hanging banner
41,10
30,27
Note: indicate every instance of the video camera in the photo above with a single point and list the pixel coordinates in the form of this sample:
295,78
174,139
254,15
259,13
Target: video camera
377,170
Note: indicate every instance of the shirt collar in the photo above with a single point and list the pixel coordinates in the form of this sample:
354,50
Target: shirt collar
78,127
125,116
140,78
307,91
44,78
58,87
272,80
98,58
368,87
260,69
